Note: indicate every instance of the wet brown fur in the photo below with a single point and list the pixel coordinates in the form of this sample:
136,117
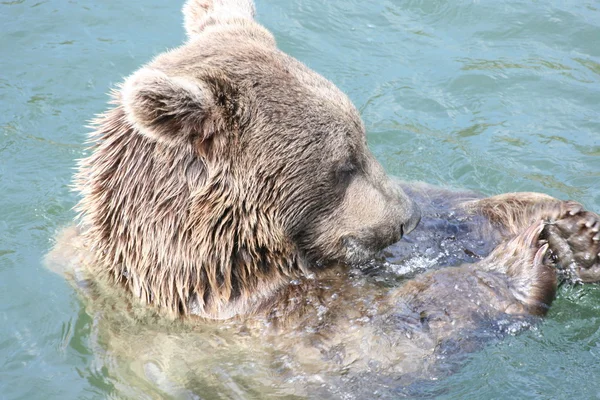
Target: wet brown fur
213,189
195,197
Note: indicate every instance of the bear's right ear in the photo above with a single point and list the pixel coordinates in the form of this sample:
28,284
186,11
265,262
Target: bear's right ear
200,13
177,110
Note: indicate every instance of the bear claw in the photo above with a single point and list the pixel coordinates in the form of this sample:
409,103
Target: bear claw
573,208
540,255
575,241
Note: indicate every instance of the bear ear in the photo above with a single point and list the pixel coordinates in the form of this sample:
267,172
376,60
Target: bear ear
200,13
177,110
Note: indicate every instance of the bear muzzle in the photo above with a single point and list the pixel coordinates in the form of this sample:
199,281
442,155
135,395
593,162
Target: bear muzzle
365,244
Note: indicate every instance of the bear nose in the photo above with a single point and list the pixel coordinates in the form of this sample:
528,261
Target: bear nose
413,220
404,210
406,217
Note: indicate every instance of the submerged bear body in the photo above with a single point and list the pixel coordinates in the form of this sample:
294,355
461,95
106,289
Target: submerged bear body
230,184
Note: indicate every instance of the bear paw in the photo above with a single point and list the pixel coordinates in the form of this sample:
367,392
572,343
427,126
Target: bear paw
574,239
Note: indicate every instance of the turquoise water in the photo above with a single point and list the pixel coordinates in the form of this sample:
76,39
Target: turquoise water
494,96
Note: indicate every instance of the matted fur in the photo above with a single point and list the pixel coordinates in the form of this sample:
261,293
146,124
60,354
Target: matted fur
227,169
154,250
228,180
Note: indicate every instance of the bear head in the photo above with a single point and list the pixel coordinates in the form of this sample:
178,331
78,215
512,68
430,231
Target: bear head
227,168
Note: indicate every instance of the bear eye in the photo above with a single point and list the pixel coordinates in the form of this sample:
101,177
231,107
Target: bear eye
345,171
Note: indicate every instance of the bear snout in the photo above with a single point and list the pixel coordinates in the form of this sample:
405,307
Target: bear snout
377,224
363,246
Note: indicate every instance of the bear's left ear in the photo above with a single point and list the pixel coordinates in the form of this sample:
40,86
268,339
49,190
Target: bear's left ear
176,110
198,13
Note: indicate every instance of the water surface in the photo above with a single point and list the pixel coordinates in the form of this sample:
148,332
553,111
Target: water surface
486,95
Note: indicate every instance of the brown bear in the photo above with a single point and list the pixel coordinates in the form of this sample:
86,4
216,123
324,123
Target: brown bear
230,182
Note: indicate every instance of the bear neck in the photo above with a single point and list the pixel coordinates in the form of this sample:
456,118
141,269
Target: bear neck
145,209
